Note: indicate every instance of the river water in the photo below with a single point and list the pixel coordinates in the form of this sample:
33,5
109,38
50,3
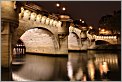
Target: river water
88,65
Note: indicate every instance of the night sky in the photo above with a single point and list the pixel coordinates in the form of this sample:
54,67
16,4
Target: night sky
90,11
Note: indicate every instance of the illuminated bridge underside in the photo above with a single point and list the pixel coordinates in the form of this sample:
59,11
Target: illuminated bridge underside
39,41
73,42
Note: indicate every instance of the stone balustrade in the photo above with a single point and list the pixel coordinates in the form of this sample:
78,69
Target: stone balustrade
32,16
75,30
105,37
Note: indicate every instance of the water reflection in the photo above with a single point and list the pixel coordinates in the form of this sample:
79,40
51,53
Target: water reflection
78,66
41,68
70,70
91,69
103,68
94,65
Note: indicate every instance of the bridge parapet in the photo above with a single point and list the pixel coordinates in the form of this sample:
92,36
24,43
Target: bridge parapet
75,30
110,39
105,37
32,16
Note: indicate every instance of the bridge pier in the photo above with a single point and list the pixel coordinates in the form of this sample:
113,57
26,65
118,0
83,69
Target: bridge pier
84,39
63,32
9,22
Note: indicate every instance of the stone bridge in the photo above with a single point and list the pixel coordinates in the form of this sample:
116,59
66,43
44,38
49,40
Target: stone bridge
109,39
39,33
31,24
76,35
47,34
77,39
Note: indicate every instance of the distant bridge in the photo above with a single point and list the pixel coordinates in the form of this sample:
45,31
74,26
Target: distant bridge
110,39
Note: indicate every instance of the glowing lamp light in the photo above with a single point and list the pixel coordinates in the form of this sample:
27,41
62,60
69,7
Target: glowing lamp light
103,30
22,9
57,4
109,37
82,21
90,27
114,37
63,8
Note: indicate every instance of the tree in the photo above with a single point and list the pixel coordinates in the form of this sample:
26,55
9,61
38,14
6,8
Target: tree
111,22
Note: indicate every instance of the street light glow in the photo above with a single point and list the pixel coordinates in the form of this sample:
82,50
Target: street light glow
82,21
63,8
57,4
99,28
103,30
90,27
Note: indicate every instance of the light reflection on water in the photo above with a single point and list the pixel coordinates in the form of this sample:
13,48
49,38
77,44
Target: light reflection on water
42,68
90,65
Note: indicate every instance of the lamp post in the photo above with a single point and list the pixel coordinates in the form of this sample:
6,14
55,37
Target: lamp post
63,32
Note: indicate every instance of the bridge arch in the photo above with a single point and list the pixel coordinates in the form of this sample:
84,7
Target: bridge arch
40,40
110,39
73,41
29,19
75,35
101,42
19,49
26,24
19,20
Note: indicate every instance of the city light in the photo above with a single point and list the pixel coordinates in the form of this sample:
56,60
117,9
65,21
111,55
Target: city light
90,27
22,9
99,28
103,30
